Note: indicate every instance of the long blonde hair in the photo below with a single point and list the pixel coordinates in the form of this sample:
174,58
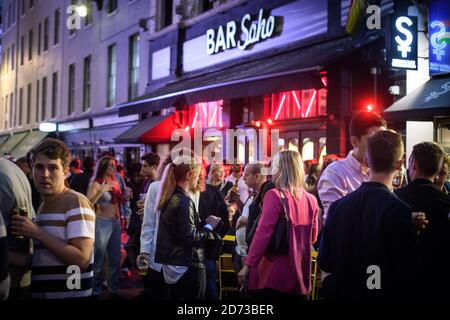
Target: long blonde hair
173,173
289,165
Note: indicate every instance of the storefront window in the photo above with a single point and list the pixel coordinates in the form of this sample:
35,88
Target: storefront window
293,144
281,144
323,148
298,104
307,149
209,114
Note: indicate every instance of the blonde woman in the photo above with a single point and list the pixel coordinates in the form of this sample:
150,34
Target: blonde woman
216,178
181,237
280,276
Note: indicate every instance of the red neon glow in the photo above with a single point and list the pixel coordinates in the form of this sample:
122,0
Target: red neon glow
195,119
369,107
310,103
269,121
324,81
296,100
213,116
258,124
187,128
280,106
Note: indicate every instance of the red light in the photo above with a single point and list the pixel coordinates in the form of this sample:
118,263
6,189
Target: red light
269,121
369,107
258,124
187,128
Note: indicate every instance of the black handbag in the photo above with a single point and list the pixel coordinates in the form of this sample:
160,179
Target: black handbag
279,241
213,246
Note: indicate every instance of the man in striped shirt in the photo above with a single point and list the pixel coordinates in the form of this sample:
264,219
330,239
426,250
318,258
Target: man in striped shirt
63,231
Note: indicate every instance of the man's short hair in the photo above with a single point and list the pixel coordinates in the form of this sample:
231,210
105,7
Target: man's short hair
428,156
22,160
363,121
151,158
254,167
384,150
53,149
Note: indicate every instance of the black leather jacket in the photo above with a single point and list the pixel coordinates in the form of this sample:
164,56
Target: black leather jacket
181,238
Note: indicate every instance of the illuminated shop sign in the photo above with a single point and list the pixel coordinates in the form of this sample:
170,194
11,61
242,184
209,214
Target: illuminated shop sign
243,36
439,31
402,53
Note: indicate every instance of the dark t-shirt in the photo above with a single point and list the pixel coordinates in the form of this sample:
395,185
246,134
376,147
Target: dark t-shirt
369,227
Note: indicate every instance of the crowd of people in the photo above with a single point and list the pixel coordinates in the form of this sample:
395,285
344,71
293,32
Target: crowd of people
381,231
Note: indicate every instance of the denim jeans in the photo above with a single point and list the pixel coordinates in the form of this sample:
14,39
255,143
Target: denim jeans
107,245
211,277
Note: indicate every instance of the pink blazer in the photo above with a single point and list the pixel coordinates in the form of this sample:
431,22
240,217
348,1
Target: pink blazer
286,273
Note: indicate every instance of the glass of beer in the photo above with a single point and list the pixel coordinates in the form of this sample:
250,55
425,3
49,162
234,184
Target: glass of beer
23,211
142,267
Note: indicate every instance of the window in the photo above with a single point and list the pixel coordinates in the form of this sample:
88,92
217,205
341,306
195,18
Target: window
54,93
44,98
14,12
71,103
37,101
207,5
30,45
6,113
57,26
165,13
13,52
208,113
307,149
46,33
10,15
22,49
293,144
111,80
298,104
39,38
112,6
88,18
20,105
7,60
22,8
29,104
133,69
87,84
12,123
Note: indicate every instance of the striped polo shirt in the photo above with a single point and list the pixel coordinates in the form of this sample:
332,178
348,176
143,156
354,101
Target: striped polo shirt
67,216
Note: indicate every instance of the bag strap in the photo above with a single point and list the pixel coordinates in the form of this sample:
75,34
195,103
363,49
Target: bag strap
284,203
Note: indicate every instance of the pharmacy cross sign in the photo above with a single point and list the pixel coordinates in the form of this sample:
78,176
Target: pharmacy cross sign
242,36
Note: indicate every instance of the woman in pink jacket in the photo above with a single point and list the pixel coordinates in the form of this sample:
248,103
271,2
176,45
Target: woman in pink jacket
270,275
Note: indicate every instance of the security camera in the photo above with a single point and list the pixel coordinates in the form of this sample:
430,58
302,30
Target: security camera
394,90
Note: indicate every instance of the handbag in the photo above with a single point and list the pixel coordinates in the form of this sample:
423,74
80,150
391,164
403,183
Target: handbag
213,246
279,241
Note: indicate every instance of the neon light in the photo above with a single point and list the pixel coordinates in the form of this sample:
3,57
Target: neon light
187,128
213,116
279,107
310,103
204,110
269,121
324,81
195,119
296,100
369,108
258,124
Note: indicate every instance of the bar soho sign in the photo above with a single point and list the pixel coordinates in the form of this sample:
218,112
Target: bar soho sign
243,36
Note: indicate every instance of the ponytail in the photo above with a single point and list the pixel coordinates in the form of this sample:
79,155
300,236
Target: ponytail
168,186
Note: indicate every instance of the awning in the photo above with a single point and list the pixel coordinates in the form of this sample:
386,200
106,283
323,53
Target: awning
3,139
430,100
12,142
32,139
156,129
295,69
